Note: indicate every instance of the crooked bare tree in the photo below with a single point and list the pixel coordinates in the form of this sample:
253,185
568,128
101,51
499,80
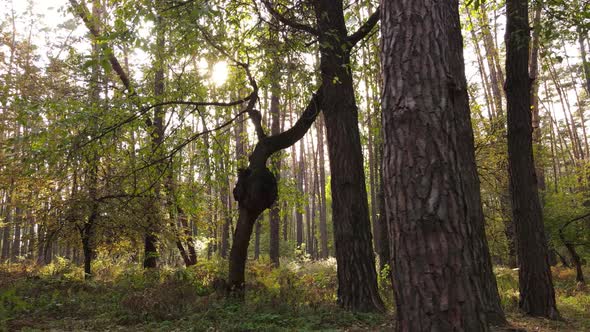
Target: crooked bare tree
256,189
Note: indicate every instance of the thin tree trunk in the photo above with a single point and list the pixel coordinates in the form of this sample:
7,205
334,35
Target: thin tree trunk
534,73
300,187
275,211
492,57
257,239
322,170
585,61
157,138
482,69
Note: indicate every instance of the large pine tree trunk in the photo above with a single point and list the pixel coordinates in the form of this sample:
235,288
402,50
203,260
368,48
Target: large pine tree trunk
357,277
537,296
441,265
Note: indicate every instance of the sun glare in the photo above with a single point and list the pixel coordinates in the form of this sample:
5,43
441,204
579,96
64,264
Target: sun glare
219,73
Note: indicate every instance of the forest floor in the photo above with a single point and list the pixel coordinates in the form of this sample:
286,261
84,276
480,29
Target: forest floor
295,297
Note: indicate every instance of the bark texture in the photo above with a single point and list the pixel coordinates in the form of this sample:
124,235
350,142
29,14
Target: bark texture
440,258
357,278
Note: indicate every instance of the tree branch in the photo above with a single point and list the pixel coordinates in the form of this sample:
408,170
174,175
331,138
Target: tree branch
289,22
269,145
364,30
82,11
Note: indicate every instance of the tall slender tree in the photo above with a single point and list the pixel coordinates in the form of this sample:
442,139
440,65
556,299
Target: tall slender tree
537,297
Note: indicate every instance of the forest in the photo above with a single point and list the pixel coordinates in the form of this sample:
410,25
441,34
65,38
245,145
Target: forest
294,165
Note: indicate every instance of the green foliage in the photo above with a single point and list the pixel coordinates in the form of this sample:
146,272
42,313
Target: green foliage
295,296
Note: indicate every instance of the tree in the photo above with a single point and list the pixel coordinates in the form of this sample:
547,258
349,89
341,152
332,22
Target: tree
537,297
440,261
357,277
256,188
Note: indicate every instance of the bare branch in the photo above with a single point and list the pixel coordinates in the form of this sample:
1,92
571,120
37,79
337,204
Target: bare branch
269,145
82,11
364,30
289,22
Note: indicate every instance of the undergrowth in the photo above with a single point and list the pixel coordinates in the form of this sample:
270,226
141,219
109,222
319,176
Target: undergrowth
298,296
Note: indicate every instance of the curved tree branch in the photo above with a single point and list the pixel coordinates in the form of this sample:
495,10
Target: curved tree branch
289,22
82,11
364,30
269,145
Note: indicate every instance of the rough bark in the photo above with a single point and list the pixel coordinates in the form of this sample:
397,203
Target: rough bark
537,297
440,258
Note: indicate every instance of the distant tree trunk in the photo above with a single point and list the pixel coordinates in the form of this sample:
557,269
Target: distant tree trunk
322,184
585,61
285,221
87,235
31,238
492,57
308,203
383,250
8,216
575,257
569,120
227,207
257,240
275,211
586,149
6,237
534,73
157,138
16,241
315,197
300,187
482,69
537,297
433,205
357,276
